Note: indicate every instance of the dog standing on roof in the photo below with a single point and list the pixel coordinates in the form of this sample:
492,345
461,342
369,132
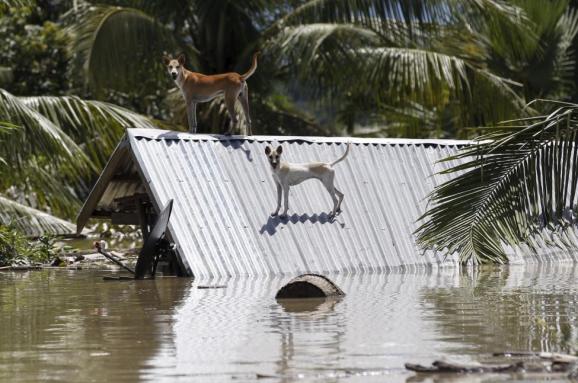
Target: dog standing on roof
287,174
197,87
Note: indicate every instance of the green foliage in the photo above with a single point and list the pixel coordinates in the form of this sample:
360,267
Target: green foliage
28,221
96,125
36,55
126,38
515,186
55,145
398,56
43,249
545,65
116,48
421,69
15,247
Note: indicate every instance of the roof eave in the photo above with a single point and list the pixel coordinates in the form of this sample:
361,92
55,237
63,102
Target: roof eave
119,154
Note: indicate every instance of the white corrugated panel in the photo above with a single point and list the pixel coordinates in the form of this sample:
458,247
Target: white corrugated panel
224,193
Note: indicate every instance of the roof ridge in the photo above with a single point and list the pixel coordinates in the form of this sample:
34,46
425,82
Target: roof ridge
159,134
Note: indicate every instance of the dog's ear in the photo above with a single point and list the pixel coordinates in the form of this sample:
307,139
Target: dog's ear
268,150
181,59
279,149
166,59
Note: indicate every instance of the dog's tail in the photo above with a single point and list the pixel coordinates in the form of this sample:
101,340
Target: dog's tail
251,70
343,156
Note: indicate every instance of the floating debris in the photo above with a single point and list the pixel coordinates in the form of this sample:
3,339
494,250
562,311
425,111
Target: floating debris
533,362
440,366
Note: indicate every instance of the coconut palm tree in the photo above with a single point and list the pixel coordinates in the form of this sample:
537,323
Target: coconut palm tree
546,66
403,56
517,185
53,147
388,53
448,64
118,47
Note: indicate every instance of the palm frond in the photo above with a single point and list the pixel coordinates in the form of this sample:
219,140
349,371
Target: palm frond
15,3
544,65
40,157
96,125
41,178
35,135
564,63
305,41
118,48
44,183
415,69
32,222
333,57
415,15
518,182
435,53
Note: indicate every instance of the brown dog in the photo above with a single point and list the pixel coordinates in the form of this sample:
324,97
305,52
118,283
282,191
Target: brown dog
197,87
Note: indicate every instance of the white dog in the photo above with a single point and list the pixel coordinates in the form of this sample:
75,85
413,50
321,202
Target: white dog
287,174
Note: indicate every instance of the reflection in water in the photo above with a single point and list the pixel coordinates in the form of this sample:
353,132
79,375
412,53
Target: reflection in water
311,307
72,326
508,309
311,336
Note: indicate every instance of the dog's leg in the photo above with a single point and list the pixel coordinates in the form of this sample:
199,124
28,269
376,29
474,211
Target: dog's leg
328,183
279,193
340,195
245,104
335,201
286,200
230,99
192,116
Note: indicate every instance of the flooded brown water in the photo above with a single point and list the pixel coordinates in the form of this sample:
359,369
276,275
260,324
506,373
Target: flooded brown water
71,326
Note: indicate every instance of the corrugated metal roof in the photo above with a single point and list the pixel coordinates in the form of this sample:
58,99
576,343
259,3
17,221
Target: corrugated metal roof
223,194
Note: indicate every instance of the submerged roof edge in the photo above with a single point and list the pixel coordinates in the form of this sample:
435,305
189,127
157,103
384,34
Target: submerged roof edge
159,134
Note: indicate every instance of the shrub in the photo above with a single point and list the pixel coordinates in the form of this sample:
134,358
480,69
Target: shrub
15,247
35,54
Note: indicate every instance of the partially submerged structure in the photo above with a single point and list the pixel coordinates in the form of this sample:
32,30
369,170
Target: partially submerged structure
223,195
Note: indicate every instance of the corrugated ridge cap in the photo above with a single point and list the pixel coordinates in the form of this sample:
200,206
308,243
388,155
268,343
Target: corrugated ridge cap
159,134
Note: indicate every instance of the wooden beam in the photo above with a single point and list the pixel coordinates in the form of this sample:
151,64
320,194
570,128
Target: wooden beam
121,218
126,178
101,214
132,202
144,221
